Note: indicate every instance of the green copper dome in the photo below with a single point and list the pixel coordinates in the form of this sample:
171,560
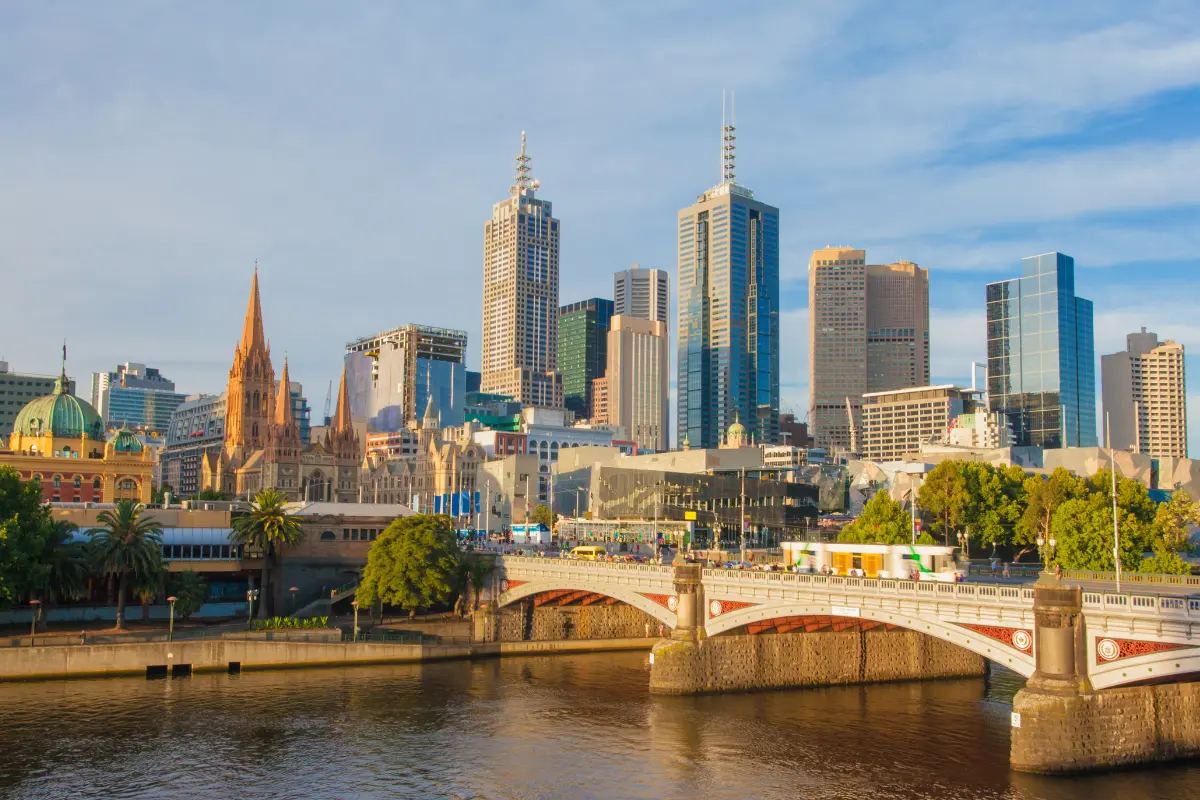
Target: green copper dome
59,415
126,442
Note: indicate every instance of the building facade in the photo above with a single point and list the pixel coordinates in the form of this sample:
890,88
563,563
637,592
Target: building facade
728,313
582,350
899,421
135,395
636,382
392,374
520,296
868,332
1041,353
642,293
196,429
17,389
1144,396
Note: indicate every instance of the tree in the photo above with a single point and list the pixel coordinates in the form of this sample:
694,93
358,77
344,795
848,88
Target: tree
1174,521
189,592
998,498
23,517
882,521
158,493
1083,529
67,560
543,515
149,584
412,565
1043,496
128,545
212,494
1165,562
945,495
268,526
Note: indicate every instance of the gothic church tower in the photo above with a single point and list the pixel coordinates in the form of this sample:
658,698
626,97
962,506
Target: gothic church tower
249,396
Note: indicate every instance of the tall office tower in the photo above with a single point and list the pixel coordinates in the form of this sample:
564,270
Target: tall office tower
728,312
641,293
638,361
520,296
136,395
868,332
390,376
582,350
1041,370
1144,396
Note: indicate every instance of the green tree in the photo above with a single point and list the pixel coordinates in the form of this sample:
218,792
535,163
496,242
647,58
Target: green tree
158,493
882,521
543,515
212,494
1043,496
149,584
1083,529
23,520
413,564
998,499
945,495
1174,521
269,527
189,592
68,561
1165,562
127,546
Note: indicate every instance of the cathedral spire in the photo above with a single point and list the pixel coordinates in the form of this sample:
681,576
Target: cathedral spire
341,416
252,331
283,400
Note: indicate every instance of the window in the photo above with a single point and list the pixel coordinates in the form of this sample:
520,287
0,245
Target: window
57,481
78,481
328,536
96,484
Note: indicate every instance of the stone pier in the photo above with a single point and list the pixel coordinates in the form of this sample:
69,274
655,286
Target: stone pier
1061,724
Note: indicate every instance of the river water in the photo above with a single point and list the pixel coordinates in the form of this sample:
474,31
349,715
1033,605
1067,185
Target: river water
578,726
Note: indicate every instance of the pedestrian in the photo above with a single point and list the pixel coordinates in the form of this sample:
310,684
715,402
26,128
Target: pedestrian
661,630
1007,571
647,630
1058,572
83,637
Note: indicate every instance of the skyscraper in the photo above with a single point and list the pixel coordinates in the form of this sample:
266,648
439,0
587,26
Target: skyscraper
638,361
1145,396
582,350
520,296
1041,370
868,332
728,312
641,293
136,395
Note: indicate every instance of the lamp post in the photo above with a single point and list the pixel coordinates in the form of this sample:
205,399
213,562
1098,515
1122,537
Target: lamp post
355,604
251,595
171,623
293,590
1046,549
964,542
35,606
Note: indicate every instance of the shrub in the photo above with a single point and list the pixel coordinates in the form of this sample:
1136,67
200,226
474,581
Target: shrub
290,623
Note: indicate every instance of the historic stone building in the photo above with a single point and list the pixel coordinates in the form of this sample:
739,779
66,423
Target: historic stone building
440,467
263,447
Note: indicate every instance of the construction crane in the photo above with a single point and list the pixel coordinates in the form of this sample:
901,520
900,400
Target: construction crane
329,405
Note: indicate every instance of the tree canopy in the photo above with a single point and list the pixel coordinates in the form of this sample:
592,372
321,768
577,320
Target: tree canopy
127,546
189,592
267,526
413,564
883,521
542,514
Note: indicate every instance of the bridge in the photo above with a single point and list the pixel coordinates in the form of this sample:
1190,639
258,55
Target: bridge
1104,669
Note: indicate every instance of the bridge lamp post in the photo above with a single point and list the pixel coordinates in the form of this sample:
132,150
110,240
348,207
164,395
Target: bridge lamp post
355,604
1046,549
171,622
964,541
251,596
35,606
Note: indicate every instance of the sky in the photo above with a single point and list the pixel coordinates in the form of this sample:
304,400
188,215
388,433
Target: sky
151,153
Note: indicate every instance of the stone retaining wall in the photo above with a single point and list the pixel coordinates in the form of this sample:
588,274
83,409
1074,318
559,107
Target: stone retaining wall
522,622
775,661
1105,729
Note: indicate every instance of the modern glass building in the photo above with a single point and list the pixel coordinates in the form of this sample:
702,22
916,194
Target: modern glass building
1041,355
583,350
728,317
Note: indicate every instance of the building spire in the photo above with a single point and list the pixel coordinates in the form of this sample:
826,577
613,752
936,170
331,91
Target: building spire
522,181
283,400
728,140
252,331
341,416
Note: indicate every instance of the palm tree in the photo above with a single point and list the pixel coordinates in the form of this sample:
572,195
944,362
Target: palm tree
128,546
268,526
147,585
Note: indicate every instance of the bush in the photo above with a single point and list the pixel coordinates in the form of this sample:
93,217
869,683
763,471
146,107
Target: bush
290,623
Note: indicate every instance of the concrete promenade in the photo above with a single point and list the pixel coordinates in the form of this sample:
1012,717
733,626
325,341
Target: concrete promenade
232,654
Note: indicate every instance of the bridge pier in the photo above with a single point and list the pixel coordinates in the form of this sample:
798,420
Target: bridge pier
1061,724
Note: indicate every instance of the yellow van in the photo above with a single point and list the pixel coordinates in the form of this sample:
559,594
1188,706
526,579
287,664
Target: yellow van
589,552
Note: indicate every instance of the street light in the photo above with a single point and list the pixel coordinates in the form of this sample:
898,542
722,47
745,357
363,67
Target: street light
355,604
35,606
1046,549
293,590
251,595
964,542
171,624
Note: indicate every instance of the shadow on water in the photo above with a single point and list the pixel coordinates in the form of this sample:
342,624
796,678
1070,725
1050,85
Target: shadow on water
547,727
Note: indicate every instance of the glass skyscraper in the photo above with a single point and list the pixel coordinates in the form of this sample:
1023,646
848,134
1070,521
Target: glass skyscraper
728,316
583,350
1041,355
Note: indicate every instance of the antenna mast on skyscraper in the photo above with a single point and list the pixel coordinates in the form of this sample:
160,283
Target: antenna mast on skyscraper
728,139
522,180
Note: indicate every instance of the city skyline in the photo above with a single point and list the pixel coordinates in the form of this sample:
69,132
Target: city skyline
162,198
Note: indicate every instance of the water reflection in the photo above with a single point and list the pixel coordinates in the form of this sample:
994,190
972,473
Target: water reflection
566,726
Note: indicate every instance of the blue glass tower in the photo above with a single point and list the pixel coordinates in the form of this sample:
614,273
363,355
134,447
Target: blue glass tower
1041,355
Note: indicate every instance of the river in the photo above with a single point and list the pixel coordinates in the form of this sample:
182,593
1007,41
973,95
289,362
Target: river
579,726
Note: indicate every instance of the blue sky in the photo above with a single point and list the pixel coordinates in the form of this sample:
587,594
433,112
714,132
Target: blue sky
151,152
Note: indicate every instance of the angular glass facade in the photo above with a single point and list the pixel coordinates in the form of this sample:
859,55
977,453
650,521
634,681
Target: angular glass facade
728,317
1041,355
583,350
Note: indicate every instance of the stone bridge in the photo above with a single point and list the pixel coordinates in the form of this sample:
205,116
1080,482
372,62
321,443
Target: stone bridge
1108,673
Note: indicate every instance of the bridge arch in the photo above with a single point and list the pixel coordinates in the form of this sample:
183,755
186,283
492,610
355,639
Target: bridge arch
975,638
652,604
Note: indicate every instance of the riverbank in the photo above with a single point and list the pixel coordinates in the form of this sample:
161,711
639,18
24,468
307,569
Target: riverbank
150,659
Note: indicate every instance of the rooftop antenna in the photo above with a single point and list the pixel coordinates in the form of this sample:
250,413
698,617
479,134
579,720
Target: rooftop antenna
728,140
329,405
522,180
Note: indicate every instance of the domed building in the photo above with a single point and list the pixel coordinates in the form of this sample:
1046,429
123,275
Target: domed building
59,441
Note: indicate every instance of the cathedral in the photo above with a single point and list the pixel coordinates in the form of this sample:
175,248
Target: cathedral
262,448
